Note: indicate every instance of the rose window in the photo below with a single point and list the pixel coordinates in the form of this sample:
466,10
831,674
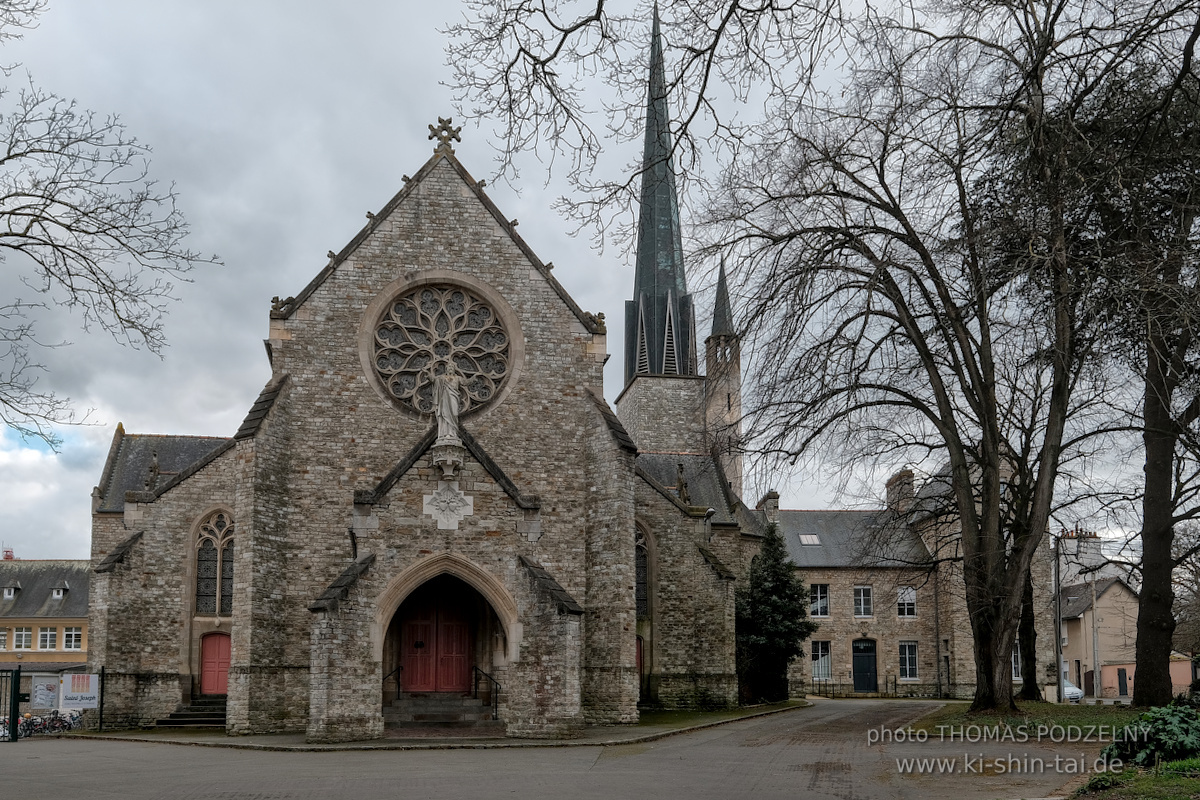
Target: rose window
437,329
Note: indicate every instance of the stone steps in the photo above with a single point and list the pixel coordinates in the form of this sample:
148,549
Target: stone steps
441,710
203,712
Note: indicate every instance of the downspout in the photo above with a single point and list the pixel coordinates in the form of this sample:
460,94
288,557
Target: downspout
937,629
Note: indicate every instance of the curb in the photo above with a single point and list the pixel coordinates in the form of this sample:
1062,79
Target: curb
232,742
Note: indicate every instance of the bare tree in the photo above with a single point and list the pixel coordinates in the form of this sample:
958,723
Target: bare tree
83,226
1131,192
886,325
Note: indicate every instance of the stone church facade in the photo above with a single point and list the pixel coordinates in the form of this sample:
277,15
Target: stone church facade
431,497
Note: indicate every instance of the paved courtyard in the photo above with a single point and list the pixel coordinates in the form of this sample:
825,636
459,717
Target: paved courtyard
817,752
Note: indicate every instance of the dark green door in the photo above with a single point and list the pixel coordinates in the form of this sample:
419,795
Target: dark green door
865,676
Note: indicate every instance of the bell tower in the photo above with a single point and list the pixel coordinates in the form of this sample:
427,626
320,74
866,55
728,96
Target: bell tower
723,388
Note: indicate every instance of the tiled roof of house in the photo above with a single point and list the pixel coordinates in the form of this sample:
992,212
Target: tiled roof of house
35,581
1077,598
850,539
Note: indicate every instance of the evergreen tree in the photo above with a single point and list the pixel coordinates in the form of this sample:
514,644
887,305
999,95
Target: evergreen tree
772,621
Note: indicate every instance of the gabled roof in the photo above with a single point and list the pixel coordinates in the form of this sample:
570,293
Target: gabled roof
545,583
370,496
1077,598
262,406
132,454
850,539
622,437
287,308
702,474
118,553
339,590
37,579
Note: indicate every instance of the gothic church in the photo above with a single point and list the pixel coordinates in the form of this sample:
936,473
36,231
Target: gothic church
431,505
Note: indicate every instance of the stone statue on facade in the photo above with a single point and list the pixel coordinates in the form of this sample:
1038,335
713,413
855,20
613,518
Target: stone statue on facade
447,400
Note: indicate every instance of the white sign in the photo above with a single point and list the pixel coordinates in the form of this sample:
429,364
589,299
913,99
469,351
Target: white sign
45,692
80,691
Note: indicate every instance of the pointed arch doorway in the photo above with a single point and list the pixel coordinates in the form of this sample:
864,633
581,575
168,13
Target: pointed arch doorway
440,632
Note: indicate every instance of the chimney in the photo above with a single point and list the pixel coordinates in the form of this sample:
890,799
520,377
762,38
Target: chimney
900,492
770,504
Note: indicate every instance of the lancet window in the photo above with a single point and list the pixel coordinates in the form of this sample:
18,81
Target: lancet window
641,580
214,565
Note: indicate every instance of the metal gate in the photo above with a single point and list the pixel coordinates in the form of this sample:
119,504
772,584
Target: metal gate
10,703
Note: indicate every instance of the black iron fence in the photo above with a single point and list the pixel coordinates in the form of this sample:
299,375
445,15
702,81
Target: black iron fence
888,687
10,704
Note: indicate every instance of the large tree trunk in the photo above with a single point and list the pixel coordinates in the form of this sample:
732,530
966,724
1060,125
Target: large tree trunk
1027,636
993,664
1156,622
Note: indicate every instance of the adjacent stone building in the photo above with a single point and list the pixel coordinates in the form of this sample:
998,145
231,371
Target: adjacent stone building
887,592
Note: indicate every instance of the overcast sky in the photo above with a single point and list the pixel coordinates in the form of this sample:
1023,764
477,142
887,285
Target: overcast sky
281,125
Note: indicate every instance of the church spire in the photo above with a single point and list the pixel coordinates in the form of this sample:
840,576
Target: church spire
660,329
723,311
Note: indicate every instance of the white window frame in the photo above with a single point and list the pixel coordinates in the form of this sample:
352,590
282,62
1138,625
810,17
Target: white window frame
72,638
864,601
10,592
906,602
1016,662
3,638
56,594
23,638
813,604
822,660
908,661
47,636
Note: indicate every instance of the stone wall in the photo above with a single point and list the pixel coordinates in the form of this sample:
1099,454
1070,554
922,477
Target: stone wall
665,413
691,649
610,680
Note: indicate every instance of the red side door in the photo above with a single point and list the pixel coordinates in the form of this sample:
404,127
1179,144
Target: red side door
418,650
454,671
214,664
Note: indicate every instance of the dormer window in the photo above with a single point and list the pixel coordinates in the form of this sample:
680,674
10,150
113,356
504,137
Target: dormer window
10,592
57,594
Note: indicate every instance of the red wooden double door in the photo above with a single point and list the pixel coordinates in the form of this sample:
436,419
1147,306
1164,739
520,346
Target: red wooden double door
435,643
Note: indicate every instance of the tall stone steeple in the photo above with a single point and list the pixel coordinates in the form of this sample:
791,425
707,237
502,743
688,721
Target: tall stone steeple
723,388
660,328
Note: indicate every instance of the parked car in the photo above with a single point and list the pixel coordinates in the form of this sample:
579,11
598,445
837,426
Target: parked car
1071,692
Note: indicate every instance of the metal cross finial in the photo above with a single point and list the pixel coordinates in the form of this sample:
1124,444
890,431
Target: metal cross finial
444,133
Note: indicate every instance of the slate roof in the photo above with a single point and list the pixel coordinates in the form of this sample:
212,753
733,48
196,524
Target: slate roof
131,455
339,590
622,437
1077,598
703,476
545,582
262,406
35,579
850,539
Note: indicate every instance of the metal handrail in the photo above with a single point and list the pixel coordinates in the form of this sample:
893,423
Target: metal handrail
393,672
495,688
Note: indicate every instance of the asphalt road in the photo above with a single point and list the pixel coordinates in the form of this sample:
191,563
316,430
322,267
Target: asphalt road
819,752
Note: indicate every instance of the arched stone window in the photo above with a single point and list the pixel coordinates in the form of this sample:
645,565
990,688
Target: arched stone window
641,579
214,565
